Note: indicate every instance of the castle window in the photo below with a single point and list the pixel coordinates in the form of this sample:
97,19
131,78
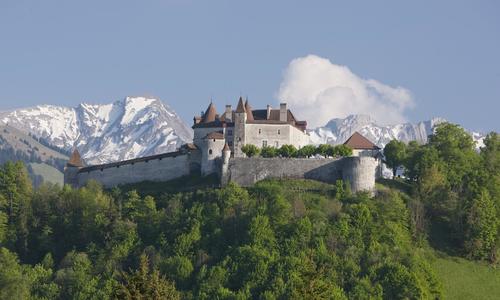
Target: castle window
279,131
229,132
277,144
210,151
264,143
259,131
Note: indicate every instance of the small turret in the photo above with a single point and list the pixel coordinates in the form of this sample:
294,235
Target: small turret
74,164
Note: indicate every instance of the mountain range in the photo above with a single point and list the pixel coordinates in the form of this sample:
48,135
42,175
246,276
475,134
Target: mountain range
141,126
338,130
125,129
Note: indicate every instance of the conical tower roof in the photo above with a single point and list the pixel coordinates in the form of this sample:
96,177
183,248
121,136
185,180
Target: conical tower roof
75,160
210,114
248,109
241,107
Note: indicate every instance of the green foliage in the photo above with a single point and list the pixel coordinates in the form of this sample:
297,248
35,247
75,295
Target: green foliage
250,150
395,154
269,152
324,150
144,284
482,227
288,151
306,151
341,151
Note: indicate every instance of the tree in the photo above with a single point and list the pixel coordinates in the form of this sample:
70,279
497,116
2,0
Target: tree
341,151
268,152
250,150
324,150
306,151
288,151
482,226
144,284
395,155
13,283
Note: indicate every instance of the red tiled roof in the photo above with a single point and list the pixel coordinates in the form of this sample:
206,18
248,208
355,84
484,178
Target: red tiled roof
215,135
248,109
358,141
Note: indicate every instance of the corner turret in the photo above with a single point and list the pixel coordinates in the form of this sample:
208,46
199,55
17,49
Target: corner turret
240,119
74,164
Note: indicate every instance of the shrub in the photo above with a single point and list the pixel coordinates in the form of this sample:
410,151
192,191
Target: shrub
268,152
288,151
341,150
250,150
306,151
324,150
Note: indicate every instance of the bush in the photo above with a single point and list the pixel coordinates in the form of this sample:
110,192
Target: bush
341,151
306,151
250,150
324,150
268,152
288,151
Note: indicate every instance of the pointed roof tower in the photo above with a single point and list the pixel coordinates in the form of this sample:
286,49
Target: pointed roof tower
248,109
210,114
241,107
75,160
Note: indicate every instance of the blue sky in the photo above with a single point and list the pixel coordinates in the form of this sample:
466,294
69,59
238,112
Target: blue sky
443,54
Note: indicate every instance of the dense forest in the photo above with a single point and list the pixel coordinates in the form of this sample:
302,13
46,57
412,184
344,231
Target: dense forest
280,239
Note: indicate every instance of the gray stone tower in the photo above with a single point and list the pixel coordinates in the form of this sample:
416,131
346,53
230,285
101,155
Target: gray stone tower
71,169
240,118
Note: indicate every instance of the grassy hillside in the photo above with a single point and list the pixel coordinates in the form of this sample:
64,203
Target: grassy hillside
44,163
48,173
465,279
461,278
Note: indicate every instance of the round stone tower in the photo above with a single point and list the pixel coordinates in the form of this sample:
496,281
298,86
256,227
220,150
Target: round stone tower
240,118
361,172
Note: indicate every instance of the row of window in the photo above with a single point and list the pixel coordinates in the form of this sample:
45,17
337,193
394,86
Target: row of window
260,131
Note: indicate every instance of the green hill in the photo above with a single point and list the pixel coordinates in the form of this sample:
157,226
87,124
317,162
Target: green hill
44,163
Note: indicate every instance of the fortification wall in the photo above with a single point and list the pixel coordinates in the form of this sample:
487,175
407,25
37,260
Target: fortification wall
359,171
164,169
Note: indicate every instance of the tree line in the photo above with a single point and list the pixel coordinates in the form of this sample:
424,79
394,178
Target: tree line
454,187
288,151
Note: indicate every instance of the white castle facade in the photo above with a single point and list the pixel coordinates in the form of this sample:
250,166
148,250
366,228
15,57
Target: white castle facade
216,149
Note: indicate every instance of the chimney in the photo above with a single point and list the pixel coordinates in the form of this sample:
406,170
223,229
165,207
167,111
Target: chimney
268,112
283,112
229,113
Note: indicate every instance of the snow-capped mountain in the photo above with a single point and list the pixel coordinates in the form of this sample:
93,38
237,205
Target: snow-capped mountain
128,128
338,131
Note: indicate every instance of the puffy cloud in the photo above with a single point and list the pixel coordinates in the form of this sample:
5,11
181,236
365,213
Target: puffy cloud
318,90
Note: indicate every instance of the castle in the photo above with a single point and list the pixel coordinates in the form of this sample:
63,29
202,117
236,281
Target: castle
217,149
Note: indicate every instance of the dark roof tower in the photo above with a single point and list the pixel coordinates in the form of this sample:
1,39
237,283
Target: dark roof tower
241,107
75,160
210,114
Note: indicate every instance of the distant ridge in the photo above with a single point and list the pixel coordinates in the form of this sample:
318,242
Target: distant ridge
125,129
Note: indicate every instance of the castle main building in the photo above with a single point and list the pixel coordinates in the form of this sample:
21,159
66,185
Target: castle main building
217,149
236,128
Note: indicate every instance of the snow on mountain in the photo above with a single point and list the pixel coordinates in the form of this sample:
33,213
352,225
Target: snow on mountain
337,131
128,128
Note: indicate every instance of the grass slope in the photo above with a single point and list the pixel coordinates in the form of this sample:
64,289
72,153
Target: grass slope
49,173
464,279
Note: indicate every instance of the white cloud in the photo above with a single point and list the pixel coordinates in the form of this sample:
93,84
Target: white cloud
318,90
